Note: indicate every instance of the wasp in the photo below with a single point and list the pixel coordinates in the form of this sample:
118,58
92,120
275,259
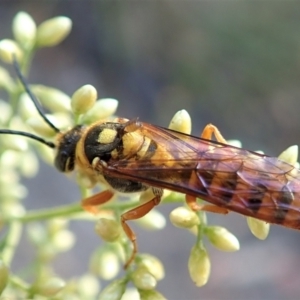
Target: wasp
133,156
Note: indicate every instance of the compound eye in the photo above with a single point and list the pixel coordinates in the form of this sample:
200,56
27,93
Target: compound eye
60,161
65,156
64,162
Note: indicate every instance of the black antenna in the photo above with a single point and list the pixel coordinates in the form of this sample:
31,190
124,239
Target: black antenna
31,95
35,101
29,135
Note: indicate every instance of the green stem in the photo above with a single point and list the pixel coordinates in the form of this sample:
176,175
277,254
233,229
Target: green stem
173,198
201,226
64,211
73,209
18,282
12,241
43,214
77,119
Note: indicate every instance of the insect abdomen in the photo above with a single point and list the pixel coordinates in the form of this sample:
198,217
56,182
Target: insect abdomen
272,197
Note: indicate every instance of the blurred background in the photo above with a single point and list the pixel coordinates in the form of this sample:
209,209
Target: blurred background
233,64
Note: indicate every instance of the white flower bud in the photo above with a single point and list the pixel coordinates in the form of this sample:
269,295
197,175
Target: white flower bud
36,233
56,225
290,155
24,29
199,265
5,80
10,159
222,239
40,127
143,279
29,164
235,143
51,287
51,32
62,119
13,209
46,153
183,217
64,240
153,220
14,142
47,252
9,49
258,228
131,294
26,107
88,286
54,99
105,264
6,111
83,99
102,109
109,266
181,122
151,295
153,265
109,230
113,291
8,175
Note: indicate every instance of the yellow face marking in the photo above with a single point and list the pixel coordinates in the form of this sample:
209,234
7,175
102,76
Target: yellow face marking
107,136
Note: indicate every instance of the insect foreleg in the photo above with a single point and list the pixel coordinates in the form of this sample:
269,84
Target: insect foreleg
135,214
210,130
89,204
193,205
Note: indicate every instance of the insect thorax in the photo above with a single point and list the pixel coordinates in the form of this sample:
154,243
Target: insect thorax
101,139
110,143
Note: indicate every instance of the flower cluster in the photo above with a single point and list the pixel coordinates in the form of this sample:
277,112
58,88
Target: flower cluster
52,235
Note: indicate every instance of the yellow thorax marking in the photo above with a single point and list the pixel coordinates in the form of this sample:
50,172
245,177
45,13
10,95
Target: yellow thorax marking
107,136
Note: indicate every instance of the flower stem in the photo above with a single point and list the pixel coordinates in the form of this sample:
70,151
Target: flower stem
18,282
12,241
65,211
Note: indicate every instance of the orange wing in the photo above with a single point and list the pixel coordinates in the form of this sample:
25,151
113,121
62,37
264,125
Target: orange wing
239,180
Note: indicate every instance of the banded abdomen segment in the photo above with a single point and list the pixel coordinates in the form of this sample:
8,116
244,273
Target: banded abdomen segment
262,187
253,185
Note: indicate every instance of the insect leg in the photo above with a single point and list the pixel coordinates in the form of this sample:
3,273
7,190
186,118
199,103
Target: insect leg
135,214
193,205
209,130
207,133
89,204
